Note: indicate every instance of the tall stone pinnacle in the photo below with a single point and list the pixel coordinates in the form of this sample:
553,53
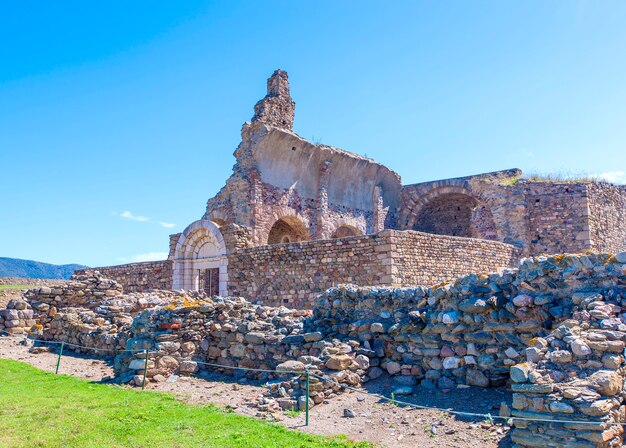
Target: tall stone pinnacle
277,108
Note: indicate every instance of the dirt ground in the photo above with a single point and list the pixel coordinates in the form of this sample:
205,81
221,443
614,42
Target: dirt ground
379,423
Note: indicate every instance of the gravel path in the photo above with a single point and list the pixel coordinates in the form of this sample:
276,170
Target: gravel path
380,423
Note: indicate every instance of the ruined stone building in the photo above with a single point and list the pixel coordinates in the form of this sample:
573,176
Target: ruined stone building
296,218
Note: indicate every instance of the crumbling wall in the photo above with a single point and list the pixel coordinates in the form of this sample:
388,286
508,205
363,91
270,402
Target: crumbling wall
90,311
554,327
278,174
137,277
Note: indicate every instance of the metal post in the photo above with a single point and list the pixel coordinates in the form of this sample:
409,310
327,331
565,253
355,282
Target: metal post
145,371
59,358
306,423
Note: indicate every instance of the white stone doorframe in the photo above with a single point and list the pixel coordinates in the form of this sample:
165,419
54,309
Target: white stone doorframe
200,246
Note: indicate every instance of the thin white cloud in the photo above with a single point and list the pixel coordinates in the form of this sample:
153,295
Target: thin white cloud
615,177
140,218
527,153
150,256
129,215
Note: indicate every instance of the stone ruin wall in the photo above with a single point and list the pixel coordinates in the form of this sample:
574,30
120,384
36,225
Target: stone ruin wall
424,259
539,217
553,330
607,217
137,277
293,274
278,174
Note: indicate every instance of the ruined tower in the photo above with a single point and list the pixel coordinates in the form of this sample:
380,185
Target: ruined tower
276,108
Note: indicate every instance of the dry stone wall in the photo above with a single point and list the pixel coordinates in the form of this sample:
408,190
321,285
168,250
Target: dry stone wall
89,311
554,328
137,277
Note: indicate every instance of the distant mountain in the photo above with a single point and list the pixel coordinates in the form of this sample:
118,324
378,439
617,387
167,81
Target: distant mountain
14,267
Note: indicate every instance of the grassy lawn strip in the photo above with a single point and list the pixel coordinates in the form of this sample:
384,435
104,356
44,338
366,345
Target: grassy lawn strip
14,286
40,409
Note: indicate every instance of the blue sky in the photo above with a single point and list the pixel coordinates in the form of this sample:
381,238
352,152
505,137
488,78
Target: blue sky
118,121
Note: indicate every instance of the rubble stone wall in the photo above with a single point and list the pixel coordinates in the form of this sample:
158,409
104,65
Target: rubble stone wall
89,311
554,327
558,217
607,217
293,274
138,277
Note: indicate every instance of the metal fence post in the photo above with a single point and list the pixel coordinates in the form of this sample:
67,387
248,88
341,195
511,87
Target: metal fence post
59,358
306,423
145,371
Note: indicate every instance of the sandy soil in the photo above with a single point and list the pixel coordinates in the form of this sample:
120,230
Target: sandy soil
380,423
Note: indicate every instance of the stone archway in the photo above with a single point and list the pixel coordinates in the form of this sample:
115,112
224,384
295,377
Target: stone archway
454,212
200,254
288,229
345,230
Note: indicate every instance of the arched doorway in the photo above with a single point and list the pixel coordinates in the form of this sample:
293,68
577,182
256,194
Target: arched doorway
200,261
455,214
288,230
345,231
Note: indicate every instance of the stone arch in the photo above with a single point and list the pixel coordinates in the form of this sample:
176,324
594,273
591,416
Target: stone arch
288,229
200,250
454,211
345,230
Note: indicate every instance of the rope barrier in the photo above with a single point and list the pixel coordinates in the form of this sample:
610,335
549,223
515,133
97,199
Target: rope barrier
487,416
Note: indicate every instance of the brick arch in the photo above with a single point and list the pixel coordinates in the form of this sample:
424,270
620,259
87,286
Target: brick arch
287,214
348,225
288,229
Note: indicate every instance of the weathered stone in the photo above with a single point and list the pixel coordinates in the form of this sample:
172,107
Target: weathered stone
339,362
519,373
580,348
476,378
291,366
607,382
559,406
393,367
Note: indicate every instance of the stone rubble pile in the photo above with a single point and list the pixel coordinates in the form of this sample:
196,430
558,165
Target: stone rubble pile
90,311
235,333
554,330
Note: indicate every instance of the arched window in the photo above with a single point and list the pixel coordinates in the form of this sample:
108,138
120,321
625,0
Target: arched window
345,230
288,230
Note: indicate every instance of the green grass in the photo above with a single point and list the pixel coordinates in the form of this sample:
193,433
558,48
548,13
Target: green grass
40,409
14,286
